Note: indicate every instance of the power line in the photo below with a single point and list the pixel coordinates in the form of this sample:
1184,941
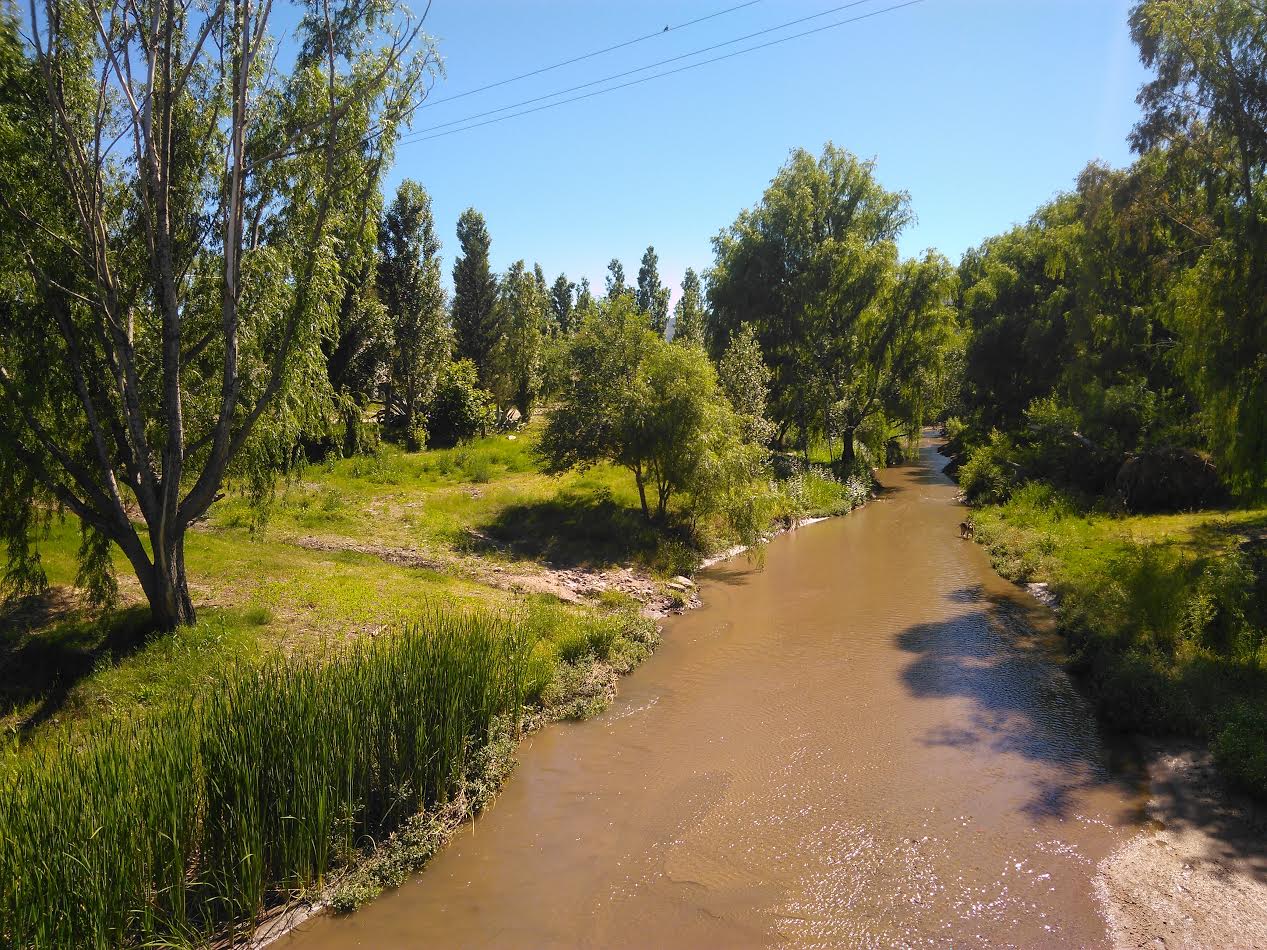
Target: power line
597,52
417,137
642,69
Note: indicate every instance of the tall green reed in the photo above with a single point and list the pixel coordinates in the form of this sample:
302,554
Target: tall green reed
181,824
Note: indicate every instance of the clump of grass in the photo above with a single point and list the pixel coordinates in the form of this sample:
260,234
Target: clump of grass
616,601
258,615
178,824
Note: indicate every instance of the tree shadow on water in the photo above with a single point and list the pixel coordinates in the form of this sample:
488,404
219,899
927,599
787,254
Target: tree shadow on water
1022,701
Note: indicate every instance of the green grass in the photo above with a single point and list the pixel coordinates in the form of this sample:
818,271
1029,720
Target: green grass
323,567
1166,614
175,824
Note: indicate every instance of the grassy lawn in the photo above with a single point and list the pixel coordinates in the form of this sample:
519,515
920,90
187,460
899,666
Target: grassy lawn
318,569
1166,614
347,548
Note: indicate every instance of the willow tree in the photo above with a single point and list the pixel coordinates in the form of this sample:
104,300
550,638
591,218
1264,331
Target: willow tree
842,323
1206,108
173,192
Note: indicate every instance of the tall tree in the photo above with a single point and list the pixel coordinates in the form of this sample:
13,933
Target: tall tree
1207,106
515,361
411,291
585,303
563,304
689,318
171,200
474,293
812,268
616,285
651,298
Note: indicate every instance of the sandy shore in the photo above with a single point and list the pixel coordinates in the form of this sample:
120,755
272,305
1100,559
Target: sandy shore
1198,877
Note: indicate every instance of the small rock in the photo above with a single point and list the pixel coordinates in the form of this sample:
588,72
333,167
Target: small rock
684,581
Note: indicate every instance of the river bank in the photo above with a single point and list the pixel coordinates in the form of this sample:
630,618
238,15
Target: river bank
590,691
1197,877
813,756
1132,596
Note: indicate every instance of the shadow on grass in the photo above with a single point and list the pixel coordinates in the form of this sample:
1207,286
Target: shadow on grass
1216,533
48,645
580,530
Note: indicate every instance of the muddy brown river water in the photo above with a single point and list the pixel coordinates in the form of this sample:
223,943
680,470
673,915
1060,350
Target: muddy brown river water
868,742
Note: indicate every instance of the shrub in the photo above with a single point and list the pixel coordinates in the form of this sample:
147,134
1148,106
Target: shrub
989,476
1240,748
460,409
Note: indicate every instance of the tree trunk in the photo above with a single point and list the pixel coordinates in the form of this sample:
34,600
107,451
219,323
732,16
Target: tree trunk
847,454
663,492
167,590
642,493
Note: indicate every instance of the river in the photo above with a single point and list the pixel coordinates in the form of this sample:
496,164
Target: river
868,742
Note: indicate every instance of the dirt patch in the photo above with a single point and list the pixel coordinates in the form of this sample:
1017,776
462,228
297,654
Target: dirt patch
1199,877
403,557
571,585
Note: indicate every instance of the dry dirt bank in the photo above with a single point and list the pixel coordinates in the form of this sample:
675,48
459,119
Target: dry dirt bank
1198,877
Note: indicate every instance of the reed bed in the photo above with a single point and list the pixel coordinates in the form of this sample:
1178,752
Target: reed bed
184,825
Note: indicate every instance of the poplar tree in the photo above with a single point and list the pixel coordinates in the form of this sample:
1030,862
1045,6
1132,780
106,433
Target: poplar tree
651,298
474,293
688,315
515,360
616,285
411,292
562,304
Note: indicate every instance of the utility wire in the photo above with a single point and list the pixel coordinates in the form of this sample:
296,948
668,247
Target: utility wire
642,69
597,52
419,137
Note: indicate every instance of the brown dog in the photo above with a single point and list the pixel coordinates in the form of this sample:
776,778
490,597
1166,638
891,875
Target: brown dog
967,531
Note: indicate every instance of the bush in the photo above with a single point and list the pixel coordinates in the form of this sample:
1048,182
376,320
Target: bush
1241,749
989,476
460,409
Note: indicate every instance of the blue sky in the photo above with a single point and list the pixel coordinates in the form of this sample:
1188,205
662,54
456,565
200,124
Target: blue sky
980,109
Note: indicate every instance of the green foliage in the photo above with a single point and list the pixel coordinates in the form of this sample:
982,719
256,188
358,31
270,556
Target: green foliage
515,361
1205,115
651,298
459,409
615,280
410,289
1240,749
1165,615
655,409
1137,300
168,301
843,325
264,788
745,379
989,476
689,317
814,492
563,307
474,315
